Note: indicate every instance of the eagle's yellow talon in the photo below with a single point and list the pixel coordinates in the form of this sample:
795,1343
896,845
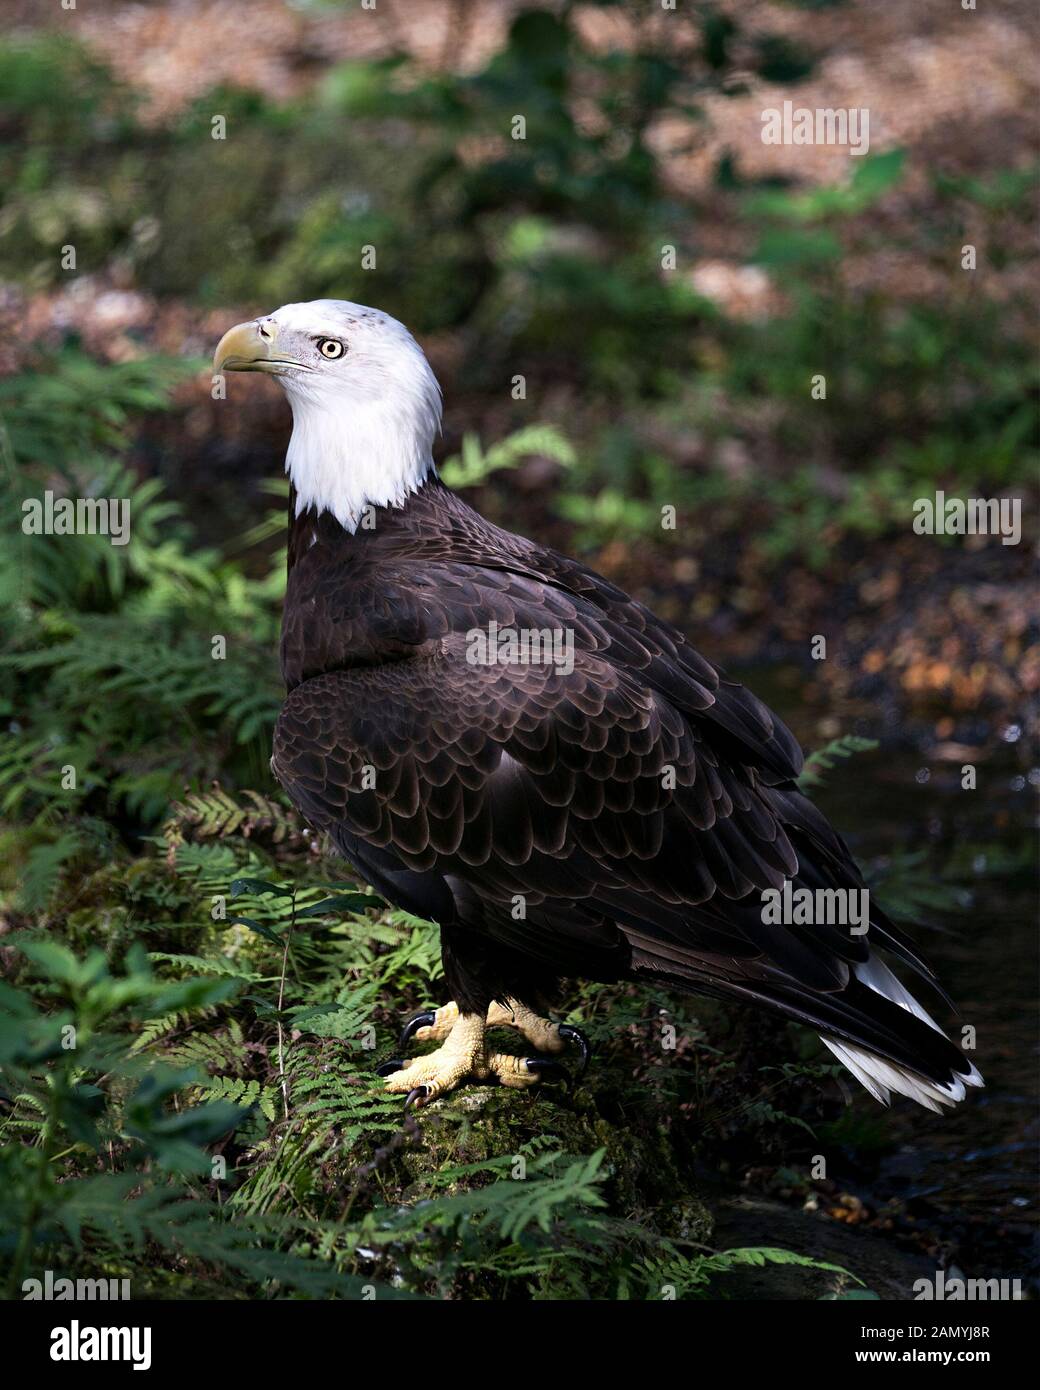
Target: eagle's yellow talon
521,1072
462,1055
545,1036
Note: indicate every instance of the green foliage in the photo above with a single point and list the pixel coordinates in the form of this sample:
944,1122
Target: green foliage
215,813
826,759
70,1081
920,395
109,664
473,465
694,1275
910,888
172,1076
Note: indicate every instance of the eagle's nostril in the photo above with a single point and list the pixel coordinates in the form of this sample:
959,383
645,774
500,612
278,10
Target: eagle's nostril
264,331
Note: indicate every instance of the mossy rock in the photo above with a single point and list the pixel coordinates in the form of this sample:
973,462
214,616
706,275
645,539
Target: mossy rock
648,1163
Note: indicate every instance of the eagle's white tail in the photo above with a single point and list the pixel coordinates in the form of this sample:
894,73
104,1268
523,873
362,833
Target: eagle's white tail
879,1075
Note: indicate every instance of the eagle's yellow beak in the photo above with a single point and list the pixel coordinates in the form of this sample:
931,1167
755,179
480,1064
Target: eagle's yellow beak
248,348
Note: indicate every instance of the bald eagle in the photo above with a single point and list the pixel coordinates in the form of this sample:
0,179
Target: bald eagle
501,741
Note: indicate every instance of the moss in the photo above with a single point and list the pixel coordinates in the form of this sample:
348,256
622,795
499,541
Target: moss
649,1162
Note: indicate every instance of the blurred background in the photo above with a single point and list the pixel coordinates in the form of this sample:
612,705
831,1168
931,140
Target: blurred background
667,286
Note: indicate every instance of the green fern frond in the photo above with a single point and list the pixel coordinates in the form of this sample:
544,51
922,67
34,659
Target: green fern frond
243,1091
825,759
473,465
215,814
156,1029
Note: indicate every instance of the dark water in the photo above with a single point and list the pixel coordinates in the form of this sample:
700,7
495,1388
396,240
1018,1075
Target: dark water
971,1174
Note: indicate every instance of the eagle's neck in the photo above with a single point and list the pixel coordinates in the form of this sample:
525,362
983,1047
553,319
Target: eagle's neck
354,598
348,457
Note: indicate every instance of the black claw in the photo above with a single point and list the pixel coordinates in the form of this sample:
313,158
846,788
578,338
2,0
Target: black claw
388,1068
417,1097
424,1020
550,1070
572,1034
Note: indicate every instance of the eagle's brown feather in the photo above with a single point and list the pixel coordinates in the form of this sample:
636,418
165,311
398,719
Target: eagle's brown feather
636,806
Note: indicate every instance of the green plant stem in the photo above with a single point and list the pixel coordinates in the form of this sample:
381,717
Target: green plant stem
281,998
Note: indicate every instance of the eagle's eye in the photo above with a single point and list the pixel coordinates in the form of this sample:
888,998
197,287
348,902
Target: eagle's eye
330,348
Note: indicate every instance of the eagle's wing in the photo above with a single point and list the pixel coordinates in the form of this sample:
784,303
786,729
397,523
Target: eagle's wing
636,804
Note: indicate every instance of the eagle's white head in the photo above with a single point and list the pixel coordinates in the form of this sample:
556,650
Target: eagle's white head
366,404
